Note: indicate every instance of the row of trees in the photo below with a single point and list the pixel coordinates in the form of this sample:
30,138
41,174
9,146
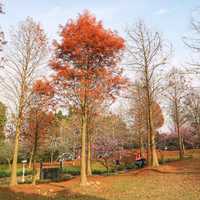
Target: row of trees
84,81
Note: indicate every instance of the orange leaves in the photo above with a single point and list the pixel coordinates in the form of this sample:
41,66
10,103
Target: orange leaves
43,87
85,41
158,118
38,124
86,61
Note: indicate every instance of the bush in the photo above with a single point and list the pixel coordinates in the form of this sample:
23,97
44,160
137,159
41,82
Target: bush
102,171
74,171
120,167
99,171
27,172
131,166
6,173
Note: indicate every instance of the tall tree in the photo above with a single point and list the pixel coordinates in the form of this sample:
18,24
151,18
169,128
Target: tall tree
192,110
176,92
86,64
27,51
147,57
38,119
138,114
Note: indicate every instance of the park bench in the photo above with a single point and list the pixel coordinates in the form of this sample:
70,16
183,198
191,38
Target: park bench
50,171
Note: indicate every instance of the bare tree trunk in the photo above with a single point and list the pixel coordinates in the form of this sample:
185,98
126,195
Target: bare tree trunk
34,155
151,134
181,153
148,146
154,161
89,169
83,150
13,180
183,146
51,157
142,145
30,159
180,142
154,158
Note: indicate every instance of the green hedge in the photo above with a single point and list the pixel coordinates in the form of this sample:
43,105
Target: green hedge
131,166
74,171
7,173
4,173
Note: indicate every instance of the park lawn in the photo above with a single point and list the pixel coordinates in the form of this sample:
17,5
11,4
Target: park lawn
178,180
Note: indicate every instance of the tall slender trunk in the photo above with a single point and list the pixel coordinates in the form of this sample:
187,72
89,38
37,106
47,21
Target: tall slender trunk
83,149
148,145
154,158
199,129
151,133
181,153
52,155
141,145
154,161
180,142
30,159
89,169
34,154
13,180
183,146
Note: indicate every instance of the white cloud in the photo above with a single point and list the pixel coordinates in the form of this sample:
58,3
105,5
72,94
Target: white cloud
162,11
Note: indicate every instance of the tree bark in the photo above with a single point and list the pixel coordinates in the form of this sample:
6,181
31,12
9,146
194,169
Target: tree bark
180,142
142,145
34,154
154,158
51,157
148,146
83,149
89,169
13,180
181,153
30,160
151,134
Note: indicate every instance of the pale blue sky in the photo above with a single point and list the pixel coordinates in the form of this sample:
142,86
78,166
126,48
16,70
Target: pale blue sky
170,17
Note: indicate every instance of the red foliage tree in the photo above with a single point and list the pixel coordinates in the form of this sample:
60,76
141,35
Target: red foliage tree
39,118
86,68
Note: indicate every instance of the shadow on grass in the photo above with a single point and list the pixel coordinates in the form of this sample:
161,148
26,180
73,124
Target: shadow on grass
8,194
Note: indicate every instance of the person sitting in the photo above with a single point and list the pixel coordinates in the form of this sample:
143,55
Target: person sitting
139,160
